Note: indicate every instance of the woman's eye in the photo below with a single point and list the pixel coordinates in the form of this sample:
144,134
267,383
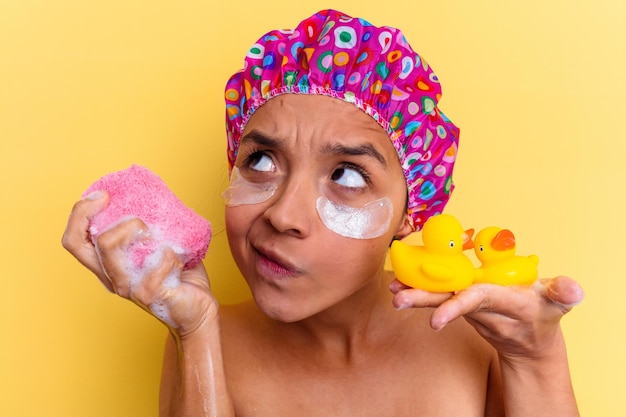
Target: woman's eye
261,162
349,177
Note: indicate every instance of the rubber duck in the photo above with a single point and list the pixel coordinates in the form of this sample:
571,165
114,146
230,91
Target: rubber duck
495,249
439,265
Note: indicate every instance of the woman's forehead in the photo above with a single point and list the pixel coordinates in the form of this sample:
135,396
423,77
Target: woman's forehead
318,117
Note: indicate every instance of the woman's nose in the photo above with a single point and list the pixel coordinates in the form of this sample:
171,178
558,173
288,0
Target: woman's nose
292,209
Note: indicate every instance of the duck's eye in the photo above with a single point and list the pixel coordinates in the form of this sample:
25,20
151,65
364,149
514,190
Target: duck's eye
350,177
261,161
451,243
480,248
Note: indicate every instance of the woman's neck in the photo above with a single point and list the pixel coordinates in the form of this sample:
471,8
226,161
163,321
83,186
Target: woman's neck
349,331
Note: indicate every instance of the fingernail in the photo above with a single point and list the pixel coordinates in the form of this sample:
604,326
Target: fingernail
94,195
437,325
143,234
402,305
438,328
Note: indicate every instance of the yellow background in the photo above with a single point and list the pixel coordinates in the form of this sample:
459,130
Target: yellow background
88,87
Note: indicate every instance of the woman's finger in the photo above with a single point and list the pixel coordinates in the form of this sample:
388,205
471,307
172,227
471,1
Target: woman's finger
76,238
562,290
397,286
112,251
407,297
505,301
157,284
548,299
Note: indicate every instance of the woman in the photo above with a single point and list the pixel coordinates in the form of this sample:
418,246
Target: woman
336,148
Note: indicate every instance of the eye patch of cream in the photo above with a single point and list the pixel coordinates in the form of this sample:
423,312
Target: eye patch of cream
367,222
241,191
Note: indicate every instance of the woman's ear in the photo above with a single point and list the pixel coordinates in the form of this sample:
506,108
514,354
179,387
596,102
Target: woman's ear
405,227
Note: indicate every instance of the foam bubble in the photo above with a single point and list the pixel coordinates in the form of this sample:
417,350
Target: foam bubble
178,250
137,273
172,280
153,260
161,311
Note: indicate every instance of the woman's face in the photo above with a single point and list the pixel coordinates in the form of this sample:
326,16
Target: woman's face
306,147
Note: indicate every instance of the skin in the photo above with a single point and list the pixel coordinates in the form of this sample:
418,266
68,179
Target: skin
329,332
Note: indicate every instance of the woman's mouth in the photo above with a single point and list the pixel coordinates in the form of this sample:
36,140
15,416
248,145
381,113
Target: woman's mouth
272,266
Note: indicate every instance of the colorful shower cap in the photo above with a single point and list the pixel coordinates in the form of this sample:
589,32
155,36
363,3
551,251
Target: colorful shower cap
373,68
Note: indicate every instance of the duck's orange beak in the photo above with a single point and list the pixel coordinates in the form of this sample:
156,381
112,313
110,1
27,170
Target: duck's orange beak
503,240
468,243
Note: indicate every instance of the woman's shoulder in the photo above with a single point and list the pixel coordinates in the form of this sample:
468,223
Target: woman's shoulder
458,340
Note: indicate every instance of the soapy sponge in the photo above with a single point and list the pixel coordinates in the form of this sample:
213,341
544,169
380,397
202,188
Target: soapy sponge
138,192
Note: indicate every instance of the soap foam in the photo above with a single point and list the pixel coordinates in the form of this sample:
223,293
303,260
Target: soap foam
151,262
172,280
161,312
137,275
158,308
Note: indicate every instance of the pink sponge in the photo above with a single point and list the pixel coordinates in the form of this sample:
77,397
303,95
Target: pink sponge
138,192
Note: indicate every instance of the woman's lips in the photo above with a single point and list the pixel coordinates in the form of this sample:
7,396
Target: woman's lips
273,266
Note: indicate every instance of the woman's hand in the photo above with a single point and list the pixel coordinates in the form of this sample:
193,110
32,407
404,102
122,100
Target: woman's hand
519,322
180,299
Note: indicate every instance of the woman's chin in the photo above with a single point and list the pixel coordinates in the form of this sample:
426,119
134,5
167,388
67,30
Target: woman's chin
284,312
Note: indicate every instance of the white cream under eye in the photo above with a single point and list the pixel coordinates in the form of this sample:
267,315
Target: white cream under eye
367,222
241,191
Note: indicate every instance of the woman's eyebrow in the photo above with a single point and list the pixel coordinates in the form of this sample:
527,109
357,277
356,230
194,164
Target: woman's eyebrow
260,139
365,149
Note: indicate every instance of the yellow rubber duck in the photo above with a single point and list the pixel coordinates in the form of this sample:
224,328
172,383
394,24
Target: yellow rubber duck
439,265
495,249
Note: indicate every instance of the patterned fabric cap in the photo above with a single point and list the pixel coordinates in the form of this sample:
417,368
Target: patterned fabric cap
373,68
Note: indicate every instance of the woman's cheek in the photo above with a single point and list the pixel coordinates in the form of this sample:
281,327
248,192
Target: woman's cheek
236,231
